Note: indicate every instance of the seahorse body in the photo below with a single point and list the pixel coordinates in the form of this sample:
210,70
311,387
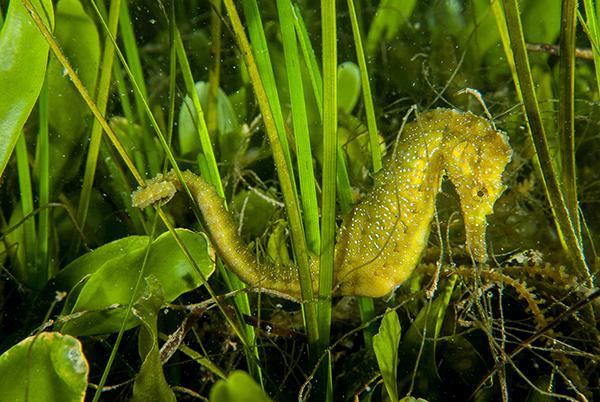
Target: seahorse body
381,240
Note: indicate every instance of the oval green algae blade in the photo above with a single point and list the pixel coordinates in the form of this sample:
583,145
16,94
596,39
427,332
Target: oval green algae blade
113,270
47,367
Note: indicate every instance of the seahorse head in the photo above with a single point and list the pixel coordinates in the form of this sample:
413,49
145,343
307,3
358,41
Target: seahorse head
474,161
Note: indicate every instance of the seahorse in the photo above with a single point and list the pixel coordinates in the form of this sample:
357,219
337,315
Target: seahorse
381,240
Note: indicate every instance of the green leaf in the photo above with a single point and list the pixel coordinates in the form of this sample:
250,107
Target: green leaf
256,209
462,358
114,269
541,20
353,134
14,241
428,323
390,16
68,114
150,383
91,262
348,76
277,244
385,344
239,387
227,121
46,367
481,23
24,53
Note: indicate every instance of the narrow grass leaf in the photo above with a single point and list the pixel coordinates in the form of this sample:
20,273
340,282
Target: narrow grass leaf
153,156
364,75
133,59
500,19
283,164
566,111
101,101
200,125
344,189
366,306
43,168
300,123
564,221
330,149
69,117
593,32
262,58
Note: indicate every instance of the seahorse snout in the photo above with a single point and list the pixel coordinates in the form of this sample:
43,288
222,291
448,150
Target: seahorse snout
475,228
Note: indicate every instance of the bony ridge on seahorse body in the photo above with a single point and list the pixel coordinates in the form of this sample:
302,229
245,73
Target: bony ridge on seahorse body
381,240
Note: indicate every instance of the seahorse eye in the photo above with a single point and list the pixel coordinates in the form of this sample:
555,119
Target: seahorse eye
481,192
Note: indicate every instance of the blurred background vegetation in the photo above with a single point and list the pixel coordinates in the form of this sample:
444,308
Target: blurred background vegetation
65,191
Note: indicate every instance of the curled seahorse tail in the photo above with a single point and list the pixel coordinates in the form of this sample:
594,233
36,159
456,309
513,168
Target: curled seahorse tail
275,278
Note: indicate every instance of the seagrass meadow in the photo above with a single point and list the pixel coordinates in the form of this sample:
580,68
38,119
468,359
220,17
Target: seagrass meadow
275,200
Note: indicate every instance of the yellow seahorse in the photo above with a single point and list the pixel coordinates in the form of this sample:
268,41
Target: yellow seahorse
381,241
